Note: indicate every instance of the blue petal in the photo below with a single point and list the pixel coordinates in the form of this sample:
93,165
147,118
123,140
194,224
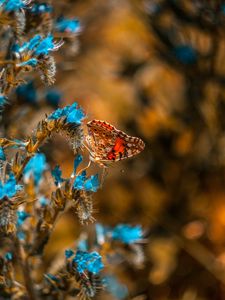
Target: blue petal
39,8
34,42
45,46
67,25
57,174
2,154
75,116
69,253
79,181
36,167
92,184
78,159
127,234
14,5
53,97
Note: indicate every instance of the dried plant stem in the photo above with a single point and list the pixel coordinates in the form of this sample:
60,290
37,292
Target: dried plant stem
28,157
24,263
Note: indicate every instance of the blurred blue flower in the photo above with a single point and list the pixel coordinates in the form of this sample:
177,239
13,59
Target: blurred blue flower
186,54
127,234
10,187
39,8
72,114
21,235
3,101
91,262
2,154
82,245
27,92
21,217
13,5
67,25
57,174
35,167
53,97
117,289
101,232
43,201
8,256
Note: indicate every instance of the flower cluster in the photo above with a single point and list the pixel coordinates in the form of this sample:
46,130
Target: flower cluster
35,168
70,113
13,5
9,188
89,184
68,25
30,53
127,234
85,261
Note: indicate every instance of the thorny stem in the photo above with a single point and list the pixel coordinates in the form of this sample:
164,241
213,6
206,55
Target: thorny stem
28,157
23,260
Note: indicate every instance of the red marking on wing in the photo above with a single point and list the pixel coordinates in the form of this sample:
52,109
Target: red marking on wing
117,148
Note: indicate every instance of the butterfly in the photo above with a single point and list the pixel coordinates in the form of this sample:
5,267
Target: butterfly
108,144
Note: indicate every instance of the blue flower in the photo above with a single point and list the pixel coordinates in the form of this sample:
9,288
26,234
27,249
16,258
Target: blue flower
39,8
85,261
71,113
2,154
35,167
185,54
100,233
90,184
57,174
45,46
33,49
3,100
14,5
27,92
67,25
78,159
10,187
53,97
117,289
21,217
82,245
43,201
69,253
21,235
79,181
9,256
127,234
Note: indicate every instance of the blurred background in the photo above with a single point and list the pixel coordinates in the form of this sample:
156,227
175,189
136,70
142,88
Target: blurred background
156,70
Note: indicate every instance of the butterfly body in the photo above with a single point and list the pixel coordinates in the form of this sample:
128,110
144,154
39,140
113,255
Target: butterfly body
108,144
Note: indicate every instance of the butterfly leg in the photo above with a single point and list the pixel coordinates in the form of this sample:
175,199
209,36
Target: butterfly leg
103,176
85,168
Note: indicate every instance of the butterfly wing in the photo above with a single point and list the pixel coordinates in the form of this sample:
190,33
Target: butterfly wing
110,144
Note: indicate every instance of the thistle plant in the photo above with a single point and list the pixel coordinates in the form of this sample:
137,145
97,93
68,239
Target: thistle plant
32,194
